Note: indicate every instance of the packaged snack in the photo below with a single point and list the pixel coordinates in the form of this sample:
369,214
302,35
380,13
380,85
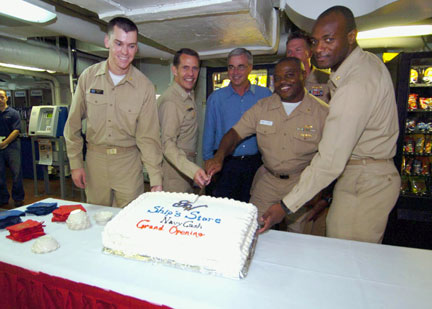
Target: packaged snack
419,145
416,167
422,127
428,102
405,188
408,167
412,101
410,125
409,145
427,76
418,185
423,104
413,76
428,145
425,171
403,165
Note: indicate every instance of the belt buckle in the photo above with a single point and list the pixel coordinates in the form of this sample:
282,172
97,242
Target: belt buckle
111,151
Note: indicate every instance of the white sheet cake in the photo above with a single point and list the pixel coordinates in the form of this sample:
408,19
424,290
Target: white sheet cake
212,235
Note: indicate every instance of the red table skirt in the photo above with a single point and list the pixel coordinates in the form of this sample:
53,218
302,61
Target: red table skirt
21,288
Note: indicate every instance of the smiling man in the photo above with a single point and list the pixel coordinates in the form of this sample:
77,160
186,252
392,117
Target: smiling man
119,105
288,126
359,138
179,124
299,45
225,107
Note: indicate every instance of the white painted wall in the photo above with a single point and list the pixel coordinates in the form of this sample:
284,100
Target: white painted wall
158,73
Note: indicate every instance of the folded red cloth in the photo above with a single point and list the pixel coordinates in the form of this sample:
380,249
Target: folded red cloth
62,213
26,230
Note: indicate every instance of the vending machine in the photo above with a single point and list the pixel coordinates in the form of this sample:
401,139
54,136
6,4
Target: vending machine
410,223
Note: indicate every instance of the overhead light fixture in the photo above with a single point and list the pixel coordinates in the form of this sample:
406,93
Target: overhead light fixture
398,31
29,10
21,67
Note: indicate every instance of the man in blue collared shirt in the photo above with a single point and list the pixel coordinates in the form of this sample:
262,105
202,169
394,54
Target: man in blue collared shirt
10,152
224,108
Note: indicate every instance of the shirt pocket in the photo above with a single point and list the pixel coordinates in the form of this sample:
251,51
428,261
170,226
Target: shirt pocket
128,114
190,114
266,137
96,111
306,139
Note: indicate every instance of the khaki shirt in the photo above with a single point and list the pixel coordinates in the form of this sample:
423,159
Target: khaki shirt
362,123
287,143
179,125
316,84
124,115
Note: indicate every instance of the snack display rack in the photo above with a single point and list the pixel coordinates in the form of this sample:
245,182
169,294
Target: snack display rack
410,223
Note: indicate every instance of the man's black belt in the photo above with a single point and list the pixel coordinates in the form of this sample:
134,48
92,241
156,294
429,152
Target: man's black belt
241,158
281,176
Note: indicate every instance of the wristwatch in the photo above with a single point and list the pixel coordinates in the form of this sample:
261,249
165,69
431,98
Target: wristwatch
285,208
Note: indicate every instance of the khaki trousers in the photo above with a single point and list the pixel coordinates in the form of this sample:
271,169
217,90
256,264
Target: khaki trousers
363,197
268,190
174,180
114,179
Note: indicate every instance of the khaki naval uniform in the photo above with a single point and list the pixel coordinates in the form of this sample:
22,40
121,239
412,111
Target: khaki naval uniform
122,134
179,125
358,144
287,144
316,84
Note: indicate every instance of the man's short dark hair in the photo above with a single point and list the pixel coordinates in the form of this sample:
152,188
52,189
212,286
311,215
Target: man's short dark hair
123,23
347,14
300,34
186,51
291,59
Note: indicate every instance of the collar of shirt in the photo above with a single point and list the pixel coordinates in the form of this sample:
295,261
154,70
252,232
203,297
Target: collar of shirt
129,78
184,95
5,110
345,67
304,107
232,91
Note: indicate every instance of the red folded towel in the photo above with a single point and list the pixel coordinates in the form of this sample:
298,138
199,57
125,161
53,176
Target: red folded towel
26,230
62,213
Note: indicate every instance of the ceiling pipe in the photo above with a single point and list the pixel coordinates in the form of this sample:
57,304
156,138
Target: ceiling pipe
47,76
92,33
39,55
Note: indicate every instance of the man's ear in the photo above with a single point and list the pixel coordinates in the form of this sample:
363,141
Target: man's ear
352,36
106,41
174,70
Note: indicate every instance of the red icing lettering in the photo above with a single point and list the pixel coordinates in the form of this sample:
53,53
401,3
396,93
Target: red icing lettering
143,225
174,230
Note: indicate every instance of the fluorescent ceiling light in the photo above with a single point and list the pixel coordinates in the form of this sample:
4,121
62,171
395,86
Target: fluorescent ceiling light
21,67
38,12
399,31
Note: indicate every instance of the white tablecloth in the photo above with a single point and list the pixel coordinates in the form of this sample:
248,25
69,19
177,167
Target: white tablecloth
288,271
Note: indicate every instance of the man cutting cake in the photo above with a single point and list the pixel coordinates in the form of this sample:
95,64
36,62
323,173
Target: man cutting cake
288,126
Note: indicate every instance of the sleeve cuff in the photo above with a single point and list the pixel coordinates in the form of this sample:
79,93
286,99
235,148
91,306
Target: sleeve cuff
285,208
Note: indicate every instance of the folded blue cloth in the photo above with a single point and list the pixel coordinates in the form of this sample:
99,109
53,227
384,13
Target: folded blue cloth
10,217
41,208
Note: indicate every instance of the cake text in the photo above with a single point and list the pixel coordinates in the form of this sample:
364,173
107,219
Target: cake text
176,231
143,224
195,215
